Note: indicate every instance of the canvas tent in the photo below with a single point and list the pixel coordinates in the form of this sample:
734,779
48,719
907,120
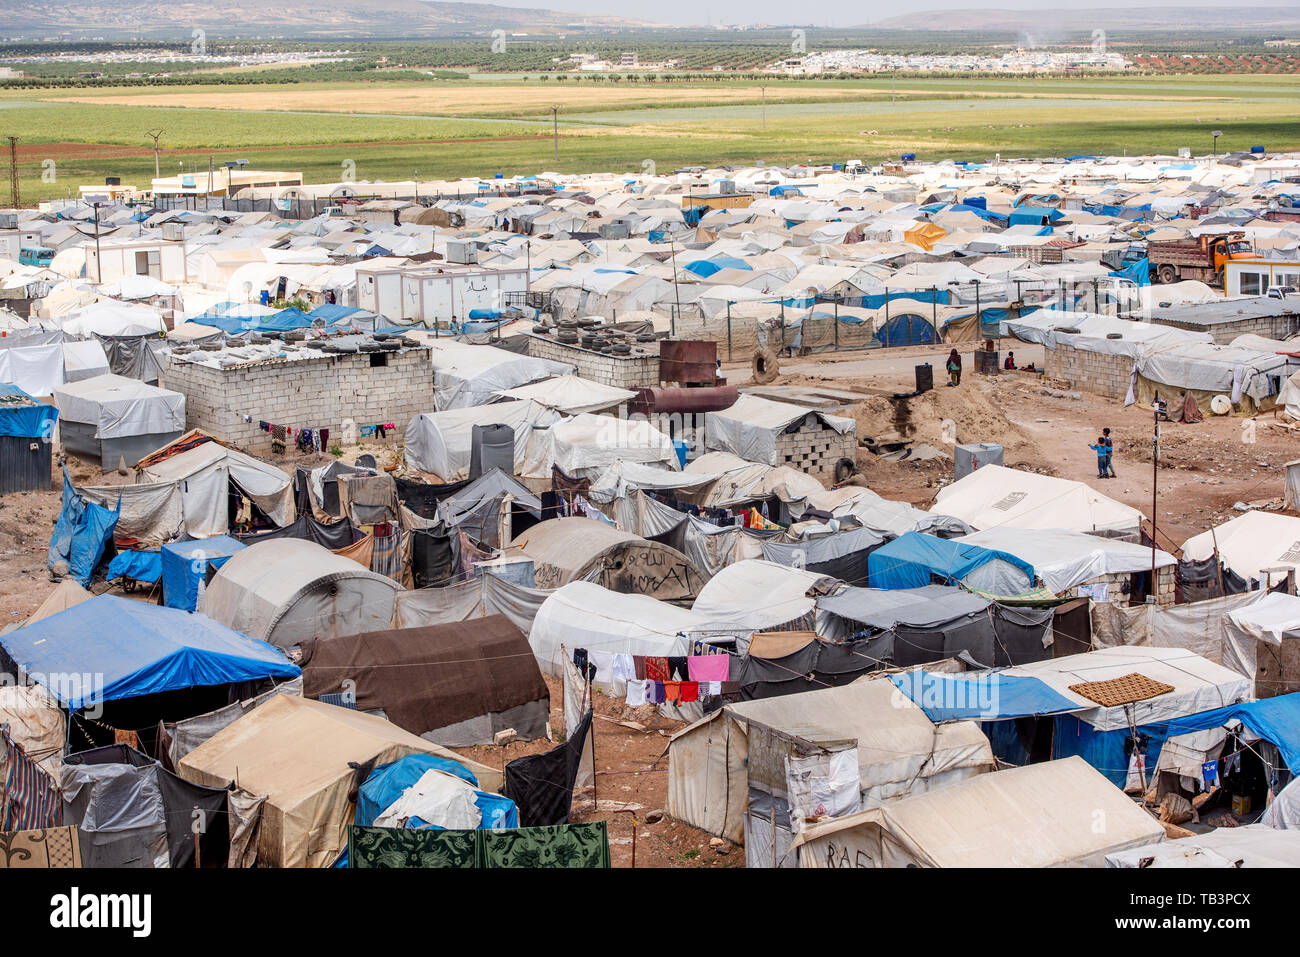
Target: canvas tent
729,767
1250,545
1255,845
571,549
750,427
1039,816
586,445
756,595
287,590
455,684
997,496
187,493
571,394
441,442
296,751
109,418
1064,559
467,375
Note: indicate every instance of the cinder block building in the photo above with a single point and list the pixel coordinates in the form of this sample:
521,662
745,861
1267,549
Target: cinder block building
236,397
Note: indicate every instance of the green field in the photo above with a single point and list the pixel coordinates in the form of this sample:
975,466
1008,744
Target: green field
495,123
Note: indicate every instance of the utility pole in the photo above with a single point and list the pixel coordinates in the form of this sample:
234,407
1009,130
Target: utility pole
156,135
13,171
555,130
99,261
1155,465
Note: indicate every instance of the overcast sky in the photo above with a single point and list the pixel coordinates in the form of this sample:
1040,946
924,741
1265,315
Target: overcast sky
855,12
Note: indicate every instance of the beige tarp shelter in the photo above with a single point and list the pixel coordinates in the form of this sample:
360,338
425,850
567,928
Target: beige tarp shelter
713,764
564,550
295,751
66,594
36,722
1055,814
287,590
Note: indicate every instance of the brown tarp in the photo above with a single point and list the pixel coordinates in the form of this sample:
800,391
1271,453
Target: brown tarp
431,677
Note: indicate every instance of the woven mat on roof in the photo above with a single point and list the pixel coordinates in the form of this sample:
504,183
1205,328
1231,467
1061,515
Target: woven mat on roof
1122,690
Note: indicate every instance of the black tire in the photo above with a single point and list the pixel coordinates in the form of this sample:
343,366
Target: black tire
766,366
1167,274
844,470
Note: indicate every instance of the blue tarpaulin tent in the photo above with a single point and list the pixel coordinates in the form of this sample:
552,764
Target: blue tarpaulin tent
24,420
81,532
982,696
1274,719
905,329
707,267
185,565
1139,272
109,648
911,560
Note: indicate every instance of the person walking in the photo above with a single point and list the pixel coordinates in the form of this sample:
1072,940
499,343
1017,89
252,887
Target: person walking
1110,454
1101,449
954,368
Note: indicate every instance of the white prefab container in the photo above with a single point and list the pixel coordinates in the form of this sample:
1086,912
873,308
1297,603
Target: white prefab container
159,258
436,293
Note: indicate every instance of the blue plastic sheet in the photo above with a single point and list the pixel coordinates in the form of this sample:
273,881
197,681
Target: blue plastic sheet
25,421
81,532
138,566
110,648
985,696
909,561
185,565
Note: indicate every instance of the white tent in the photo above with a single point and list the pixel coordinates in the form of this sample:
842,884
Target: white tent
1255,845
998,496
1198,684
188,494
288,590
756,595
1064,559
1250,543
585,445
111,418
584,615
441,442
467,375
713,763
1040,815
750,427
570,394
108,317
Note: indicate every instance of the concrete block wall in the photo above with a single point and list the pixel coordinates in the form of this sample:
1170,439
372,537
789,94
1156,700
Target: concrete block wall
1165,580
315,393
815,449
622,372
1270,327
1095,372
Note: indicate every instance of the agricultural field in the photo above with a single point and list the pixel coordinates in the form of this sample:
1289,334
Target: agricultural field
488,123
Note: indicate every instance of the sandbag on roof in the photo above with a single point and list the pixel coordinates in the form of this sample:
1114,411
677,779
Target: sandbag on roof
287,590
583,549
296,752
456,684
1042,815
995,495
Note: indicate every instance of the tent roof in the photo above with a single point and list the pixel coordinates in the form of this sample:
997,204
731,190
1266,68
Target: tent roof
1250,543
429,677
756,595
1041,815
1255,845
886,607
1199,684
138,649
997,496
1064,559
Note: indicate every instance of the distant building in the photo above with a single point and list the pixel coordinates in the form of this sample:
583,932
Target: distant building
220,181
